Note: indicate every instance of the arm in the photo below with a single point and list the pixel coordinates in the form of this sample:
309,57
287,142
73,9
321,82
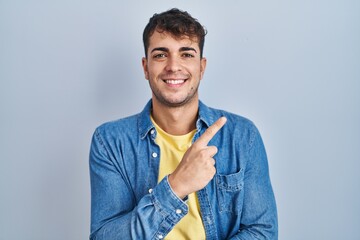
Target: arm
259,216
115,214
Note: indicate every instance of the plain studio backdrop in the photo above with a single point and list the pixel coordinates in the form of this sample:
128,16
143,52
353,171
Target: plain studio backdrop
292,67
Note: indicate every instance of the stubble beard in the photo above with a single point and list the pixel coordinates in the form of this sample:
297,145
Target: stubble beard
191,96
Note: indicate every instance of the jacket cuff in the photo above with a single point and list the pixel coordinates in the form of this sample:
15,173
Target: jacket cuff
168,203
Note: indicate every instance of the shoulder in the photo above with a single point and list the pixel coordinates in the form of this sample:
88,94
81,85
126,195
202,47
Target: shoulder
237,127
119,127
134,123
234,121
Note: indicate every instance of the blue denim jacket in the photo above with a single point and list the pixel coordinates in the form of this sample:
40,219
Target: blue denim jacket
127,202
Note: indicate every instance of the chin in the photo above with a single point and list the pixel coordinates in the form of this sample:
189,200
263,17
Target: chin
178,102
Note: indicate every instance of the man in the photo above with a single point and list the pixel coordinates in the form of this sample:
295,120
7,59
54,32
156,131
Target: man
179,169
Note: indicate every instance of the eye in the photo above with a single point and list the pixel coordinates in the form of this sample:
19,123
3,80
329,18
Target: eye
188,55
159,55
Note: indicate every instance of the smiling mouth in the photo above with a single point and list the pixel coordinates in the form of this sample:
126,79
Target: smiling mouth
175,82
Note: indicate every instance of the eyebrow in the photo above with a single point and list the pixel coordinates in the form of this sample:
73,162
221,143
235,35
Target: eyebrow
182,49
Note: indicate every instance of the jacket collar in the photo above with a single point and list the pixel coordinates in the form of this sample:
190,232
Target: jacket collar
205,119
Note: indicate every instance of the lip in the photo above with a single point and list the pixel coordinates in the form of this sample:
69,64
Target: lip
174,81
177,82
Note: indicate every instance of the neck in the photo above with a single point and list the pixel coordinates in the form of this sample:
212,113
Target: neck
176,120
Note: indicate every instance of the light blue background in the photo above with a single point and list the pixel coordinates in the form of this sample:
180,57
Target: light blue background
293,67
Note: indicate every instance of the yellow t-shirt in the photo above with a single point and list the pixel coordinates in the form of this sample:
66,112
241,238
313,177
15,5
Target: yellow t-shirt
172,150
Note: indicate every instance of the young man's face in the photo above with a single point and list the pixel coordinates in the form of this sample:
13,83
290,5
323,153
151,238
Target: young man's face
174,69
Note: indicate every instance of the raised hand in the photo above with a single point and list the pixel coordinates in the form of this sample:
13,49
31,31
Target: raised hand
196,168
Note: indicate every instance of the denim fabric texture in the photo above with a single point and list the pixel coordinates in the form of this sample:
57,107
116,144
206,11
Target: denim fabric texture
127,202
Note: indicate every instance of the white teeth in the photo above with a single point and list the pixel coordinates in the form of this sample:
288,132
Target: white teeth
174,81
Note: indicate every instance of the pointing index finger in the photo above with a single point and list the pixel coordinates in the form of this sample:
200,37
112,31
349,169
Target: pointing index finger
205,138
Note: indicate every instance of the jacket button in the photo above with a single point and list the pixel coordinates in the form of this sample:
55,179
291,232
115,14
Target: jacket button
178,211
150,190
160,236
154,154
152,131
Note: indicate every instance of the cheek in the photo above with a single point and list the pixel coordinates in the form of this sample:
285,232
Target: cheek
154,69
197,72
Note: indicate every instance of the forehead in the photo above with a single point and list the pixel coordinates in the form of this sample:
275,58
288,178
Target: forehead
165,39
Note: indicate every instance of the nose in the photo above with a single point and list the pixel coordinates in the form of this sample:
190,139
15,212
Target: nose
173,64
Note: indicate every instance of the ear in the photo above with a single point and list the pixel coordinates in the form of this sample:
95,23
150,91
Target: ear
145,68
202,67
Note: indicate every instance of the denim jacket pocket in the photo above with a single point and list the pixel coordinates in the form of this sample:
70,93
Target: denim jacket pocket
229,192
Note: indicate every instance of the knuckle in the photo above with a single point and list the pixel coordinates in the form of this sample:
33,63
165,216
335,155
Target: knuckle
211,131
215,149
212,172
203,153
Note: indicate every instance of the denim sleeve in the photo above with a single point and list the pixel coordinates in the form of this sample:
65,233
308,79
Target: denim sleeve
259,215
114,212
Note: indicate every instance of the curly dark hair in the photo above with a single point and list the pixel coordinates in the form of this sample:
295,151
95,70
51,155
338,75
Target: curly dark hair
178,23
